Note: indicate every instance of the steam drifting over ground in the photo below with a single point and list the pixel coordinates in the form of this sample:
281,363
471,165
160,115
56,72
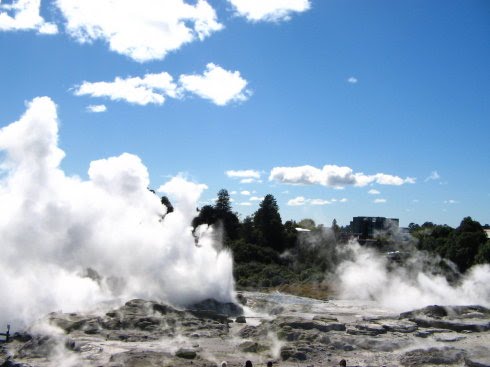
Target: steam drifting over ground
365,274
69,244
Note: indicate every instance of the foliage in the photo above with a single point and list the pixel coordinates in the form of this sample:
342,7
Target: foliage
268,224
465,246
220,214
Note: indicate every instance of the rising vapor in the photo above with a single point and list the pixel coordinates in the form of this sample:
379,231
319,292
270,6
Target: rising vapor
69,244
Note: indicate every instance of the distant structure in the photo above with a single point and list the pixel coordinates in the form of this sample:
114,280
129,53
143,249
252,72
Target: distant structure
364,228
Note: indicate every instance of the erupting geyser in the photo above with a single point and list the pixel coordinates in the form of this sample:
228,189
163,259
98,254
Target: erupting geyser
69,244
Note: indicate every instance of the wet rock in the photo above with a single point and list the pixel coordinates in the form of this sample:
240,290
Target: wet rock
139,358
401,326
252,347
366,329
454,325
438,356
229,309
302,324
186,353
241,320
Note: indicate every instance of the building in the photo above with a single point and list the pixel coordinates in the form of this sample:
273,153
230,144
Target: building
367,227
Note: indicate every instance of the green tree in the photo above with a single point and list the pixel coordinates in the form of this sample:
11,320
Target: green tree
268,223
220,214
223,204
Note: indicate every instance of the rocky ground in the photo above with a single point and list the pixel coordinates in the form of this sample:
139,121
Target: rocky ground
288,330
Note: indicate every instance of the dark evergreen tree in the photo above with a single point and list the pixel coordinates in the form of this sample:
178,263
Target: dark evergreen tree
268,224
220,214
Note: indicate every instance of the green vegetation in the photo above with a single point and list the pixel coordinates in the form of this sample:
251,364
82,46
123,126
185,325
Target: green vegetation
465,245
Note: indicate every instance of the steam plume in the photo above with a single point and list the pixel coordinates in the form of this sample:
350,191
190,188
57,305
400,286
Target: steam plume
68,244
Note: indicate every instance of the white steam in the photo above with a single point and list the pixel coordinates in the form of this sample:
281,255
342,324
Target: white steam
367,276
68,244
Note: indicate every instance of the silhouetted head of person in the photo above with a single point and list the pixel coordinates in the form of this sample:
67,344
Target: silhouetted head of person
343,363
224,364
248,364
269,364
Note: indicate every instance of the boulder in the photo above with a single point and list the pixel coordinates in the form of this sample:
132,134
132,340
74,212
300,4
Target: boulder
438,356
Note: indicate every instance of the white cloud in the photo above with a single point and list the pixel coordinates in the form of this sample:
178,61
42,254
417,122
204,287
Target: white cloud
245,193
374,192
379,201
298,201
24,15
249,181
143,30
216,84
434,176
319,202
245,204
269,10
343,200
256,198
151,89
301,200
248,173
97,108
332,176
352,80
451,201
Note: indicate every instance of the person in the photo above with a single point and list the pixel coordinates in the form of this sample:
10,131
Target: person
269,364
224,364
343,363
248,364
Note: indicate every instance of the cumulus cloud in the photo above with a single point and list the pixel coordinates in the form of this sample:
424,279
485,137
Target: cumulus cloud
352,80
144,30
249,180
248,173
24,15
301,200
97,108
151,89
434,176
216,84
379,201
55,227
245,193
374,192
332,176
270,10
246,203
297,201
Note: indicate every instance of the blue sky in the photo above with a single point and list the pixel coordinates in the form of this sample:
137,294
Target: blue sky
337,108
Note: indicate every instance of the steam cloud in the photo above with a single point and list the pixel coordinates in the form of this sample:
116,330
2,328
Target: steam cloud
69,244
366,275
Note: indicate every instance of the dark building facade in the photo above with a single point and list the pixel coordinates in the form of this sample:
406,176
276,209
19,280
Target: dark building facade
366,227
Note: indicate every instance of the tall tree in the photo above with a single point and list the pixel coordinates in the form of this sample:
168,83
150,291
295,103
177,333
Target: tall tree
223,202
268,223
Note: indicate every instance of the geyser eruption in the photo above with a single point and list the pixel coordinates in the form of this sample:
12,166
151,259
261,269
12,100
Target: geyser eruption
69,244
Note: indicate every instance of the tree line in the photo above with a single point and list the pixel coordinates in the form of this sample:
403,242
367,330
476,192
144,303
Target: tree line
268,252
